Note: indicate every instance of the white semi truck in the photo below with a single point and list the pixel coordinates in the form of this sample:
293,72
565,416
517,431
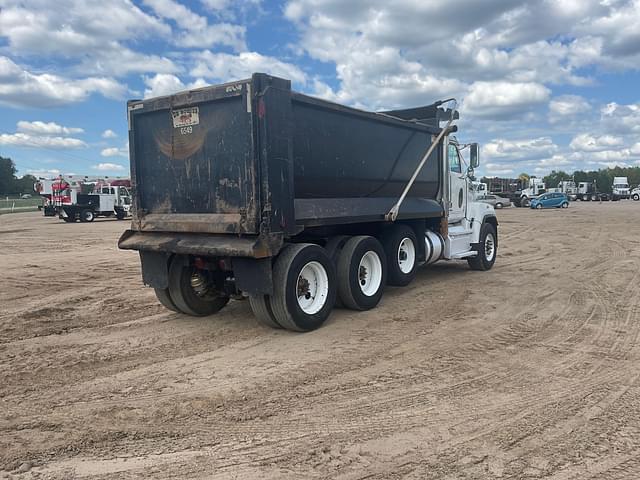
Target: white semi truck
534,187
620,188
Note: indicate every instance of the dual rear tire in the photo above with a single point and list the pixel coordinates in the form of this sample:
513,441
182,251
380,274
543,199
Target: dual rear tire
191,290
309,280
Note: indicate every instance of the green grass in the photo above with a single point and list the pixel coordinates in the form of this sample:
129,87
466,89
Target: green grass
19,204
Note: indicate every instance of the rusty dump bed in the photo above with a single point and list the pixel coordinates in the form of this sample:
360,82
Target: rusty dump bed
255,160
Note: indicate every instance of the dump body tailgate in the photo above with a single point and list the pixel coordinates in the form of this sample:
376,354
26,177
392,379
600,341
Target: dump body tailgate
193,161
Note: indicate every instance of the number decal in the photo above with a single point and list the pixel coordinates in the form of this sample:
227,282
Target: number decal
186,130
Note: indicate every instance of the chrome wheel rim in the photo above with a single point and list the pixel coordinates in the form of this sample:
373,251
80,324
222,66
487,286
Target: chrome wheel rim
312,288
489,247
370,273
406,255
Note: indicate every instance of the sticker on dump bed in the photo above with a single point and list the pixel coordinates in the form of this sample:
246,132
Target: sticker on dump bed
185,117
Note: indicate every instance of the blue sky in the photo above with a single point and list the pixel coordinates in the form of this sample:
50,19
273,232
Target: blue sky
542,84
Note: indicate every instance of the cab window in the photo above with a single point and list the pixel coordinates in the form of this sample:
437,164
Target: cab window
454,159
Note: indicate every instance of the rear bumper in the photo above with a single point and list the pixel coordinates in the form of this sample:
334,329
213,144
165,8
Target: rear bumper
202,244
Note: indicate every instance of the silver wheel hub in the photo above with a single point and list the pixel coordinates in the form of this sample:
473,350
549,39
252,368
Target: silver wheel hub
312,288
370,273
406,255
489,246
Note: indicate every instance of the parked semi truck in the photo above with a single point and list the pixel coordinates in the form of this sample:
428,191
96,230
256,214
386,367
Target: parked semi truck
250,189
620,188
588,191
520,191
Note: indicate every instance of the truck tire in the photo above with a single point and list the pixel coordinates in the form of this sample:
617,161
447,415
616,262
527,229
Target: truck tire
191,291
120,214
362,273
163,296
525,202
487,249
401,249
87,215
636,197
304,283
594,198
261,308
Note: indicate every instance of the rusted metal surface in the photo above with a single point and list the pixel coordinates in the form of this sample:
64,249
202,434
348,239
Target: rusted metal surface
202,244
192,223
193,155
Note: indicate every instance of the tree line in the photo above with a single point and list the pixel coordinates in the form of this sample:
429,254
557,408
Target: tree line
602,177
9,183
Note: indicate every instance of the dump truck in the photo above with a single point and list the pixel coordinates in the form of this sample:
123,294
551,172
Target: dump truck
252,190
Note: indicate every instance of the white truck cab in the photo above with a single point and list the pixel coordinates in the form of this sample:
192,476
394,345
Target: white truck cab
620,188
466,214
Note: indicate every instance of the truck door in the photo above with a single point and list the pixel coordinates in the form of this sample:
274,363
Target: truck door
457,185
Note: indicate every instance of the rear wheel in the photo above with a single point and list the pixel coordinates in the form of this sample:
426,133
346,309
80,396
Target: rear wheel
192,290
487,249
304,284
400,248
361,273
164,298
499,205
565,205
261,307
87,215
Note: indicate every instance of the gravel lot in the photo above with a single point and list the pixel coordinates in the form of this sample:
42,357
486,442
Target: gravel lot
527,371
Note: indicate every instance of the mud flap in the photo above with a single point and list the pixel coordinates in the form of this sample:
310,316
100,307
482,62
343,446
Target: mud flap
155,269
253,275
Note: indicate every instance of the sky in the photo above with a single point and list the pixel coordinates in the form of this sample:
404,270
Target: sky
541,84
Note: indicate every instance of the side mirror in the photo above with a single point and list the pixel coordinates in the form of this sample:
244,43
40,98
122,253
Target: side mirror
474,155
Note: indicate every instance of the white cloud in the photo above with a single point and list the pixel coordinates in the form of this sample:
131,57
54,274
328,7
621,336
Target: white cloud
53,172
73,27
21,88
115,151
50,128
503,99
623,119
36,141
108,133
586,142
196,30
166,84
498,169
535,148
565,106
109,167
225,67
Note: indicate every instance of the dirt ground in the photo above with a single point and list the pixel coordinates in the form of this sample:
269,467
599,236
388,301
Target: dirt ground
527,371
